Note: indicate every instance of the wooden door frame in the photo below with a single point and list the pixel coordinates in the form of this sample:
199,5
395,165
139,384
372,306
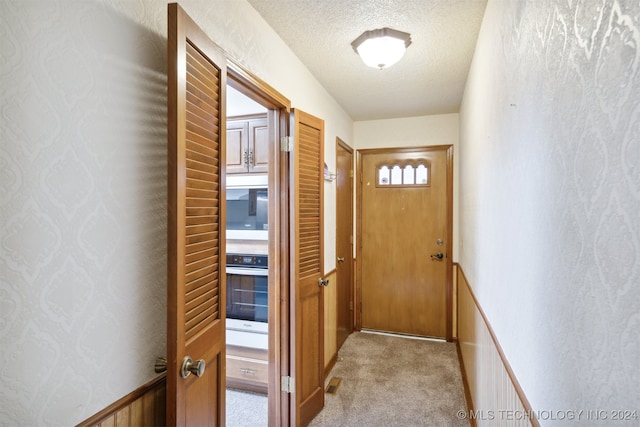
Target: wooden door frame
278,121
449,258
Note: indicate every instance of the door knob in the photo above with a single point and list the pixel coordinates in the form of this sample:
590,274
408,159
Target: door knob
161,365
190,367
437,257
340,259
323,282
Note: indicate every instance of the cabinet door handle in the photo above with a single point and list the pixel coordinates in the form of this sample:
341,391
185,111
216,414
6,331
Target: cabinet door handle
247,371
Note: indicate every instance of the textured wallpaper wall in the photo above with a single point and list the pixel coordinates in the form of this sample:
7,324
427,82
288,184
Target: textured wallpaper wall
82,199
83,191
550,195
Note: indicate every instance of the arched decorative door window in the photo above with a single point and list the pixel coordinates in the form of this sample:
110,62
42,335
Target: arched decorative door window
410,173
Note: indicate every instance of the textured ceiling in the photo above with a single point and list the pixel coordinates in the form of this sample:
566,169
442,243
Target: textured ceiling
429,79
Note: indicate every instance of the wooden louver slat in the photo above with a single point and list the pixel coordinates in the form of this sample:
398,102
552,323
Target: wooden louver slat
201,289
308,362
309,202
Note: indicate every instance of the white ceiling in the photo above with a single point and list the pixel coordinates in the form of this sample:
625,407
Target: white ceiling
429,79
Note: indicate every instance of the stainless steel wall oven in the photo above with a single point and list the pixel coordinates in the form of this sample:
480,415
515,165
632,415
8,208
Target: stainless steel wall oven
247,300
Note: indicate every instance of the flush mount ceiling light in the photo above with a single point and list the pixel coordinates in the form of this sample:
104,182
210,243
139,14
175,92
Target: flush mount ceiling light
381,48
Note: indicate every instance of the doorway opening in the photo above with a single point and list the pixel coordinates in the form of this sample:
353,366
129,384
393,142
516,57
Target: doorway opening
257,250
247,260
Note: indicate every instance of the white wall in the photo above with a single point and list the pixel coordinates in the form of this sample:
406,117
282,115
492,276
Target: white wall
83,190
550,195
419,131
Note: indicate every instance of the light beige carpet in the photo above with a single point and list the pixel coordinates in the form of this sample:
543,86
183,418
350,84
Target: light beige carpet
394,381
246,409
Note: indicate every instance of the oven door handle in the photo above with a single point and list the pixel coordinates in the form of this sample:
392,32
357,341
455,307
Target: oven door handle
248,271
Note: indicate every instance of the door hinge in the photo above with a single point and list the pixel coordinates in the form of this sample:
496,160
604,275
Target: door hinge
350,305
351,173
286,143
351,239
287,384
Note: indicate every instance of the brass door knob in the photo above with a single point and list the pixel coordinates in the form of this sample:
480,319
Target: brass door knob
190,367
161,365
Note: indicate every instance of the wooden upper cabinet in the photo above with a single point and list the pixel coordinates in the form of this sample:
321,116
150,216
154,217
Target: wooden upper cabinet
258,145
247,144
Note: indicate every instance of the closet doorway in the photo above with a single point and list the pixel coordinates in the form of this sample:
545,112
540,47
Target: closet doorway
255,251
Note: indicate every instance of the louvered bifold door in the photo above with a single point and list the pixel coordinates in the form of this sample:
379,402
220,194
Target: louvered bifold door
307,269
196,286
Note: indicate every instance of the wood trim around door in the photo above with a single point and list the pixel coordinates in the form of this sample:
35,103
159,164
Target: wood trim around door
449,259
255,88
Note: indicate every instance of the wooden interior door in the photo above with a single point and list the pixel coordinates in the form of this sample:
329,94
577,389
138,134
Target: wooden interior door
344,241
307,190
196,246
406,285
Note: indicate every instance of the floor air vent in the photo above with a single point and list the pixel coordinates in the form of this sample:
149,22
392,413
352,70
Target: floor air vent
334,383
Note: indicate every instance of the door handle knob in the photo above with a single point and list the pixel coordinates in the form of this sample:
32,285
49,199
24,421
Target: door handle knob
437,257
190,367
161,365
340,259
323,282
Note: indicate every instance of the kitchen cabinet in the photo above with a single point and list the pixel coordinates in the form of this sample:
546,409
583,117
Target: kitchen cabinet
247,369
247,144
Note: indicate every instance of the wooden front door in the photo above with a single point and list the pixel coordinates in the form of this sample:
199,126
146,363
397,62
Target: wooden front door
344,241
196,247
307,189
406,239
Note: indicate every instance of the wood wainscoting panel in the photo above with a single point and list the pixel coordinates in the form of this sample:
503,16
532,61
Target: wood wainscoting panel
145,406
454,303
496,396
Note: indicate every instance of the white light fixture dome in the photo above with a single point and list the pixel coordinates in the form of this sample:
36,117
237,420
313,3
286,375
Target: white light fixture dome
381,48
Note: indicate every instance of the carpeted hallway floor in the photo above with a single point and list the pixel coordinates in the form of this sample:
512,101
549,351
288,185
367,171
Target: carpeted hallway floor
388,381
394,381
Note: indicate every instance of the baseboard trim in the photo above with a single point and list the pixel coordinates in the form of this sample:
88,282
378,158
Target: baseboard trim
465,384
512,377
151,396
401,335
330,365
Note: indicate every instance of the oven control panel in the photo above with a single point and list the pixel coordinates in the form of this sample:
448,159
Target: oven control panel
247,260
